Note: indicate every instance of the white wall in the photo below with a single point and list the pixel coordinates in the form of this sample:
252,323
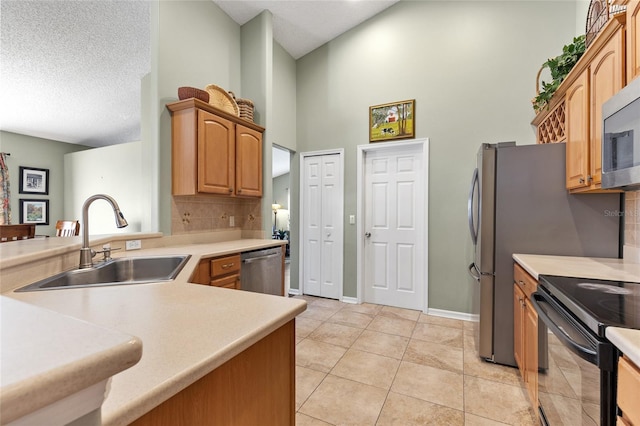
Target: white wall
113,170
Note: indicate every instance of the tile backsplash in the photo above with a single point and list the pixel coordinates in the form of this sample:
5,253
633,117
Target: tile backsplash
632,225
194,214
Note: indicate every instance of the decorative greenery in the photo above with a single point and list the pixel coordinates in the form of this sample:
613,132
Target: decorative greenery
559,67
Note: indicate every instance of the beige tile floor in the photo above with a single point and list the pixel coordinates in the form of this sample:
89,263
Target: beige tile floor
379,365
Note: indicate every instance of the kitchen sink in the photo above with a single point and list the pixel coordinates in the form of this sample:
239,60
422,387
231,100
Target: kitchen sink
119,271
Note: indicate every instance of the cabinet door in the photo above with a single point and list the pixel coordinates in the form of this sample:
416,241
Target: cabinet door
607,78
531,350
633,40
216,154
248,162
577,131
518,328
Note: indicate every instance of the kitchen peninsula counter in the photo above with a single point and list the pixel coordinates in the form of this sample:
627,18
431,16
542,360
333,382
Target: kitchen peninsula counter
187,330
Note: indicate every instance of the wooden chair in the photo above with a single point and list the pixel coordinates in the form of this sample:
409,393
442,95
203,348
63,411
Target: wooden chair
17,232
67,228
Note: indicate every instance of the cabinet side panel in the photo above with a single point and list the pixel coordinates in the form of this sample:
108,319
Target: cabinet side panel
257,387
184,151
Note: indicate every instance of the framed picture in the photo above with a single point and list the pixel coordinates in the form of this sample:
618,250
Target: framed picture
34,181
392,121
34,211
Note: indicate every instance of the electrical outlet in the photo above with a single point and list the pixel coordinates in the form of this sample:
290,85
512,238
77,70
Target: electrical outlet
232,221
133,245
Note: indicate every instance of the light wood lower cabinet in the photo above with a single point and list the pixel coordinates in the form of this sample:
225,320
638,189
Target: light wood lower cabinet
526,331
223,271
628,391
256,387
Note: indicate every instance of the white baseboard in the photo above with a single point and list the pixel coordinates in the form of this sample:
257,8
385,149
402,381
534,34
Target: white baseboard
293,291
352,300
453,315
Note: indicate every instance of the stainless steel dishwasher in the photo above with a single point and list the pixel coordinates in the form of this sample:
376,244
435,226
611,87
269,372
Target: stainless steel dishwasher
261,271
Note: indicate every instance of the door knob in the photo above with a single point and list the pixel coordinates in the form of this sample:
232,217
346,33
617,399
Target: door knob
367,234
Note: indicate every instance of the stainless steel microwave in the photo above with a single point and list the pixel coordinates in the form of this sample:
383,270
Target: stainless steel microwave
621,138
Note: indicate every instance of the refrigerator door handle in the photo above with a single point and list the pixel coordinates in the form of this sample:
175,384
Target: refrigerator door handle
474,272
472,190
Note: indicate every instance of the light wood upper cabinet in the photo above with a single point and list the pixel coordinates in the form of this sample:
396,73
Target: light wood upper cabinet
248,162
601,77
607,78
577,130
633,40
214,152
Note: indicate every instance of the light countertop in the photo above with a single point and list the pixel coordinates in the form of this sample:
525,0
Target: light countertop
36,377
627,340
582,267
187,330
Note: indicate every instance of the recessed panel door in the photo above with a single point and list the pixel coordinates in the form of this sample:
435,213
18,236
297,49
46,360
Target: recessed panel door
394,226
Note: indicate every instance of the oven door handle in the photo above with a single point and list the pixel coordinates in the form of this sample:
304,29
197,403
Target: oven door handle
588,353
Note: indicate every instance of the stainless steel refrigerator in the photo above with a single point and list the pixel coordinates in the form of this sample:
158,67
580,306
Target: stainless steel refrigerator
518,204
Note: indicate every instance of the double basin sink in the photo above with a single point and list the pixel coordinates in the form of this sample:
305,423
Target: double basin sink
119,271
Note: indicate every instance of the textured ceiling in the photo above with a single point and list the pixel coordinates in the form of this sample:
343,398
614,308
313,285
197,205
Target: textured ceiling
70,70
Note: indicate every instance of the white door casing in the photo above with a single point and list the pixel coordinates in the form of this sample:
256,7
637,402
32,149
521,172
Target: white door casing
392,217
321,224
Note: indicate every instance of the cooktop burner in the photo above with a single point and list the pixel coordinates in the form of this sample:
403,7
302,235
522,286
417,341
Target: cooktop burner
598,303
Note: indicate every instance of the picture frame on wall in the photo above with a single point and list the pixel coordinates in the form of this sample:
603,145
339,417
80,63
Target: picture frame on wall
392,121
34,181
34,211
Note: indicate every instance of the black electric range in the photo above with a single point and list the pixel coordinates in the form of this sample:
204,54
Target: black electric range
577,311
597,303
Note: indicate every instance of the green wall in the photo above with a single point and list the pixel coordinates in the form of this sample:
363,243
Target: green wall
471,68
42,154
193,44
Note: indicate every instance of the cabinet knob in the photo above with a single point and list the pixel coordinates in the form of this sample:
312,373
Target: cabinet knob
239,191
581,180
589,178
230,189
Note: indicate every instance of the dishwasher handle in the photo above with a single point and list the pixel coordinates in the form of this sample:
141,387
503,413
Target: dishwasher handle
255,259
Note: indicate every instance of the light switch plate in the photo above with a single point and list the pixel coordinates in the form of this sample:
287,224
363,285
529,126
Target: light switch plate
232,221
352,219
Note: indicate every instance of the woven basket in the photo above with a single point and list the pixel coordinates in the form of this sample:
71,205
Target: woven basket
246,109
245,106
221,99
192,92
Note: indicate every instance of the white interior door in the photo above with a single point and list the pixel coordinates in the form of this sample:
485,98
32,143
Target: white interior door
394,227
322,211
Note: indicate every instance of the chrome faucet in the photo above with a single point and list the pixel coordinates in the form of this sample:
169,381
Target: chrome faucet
86,254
